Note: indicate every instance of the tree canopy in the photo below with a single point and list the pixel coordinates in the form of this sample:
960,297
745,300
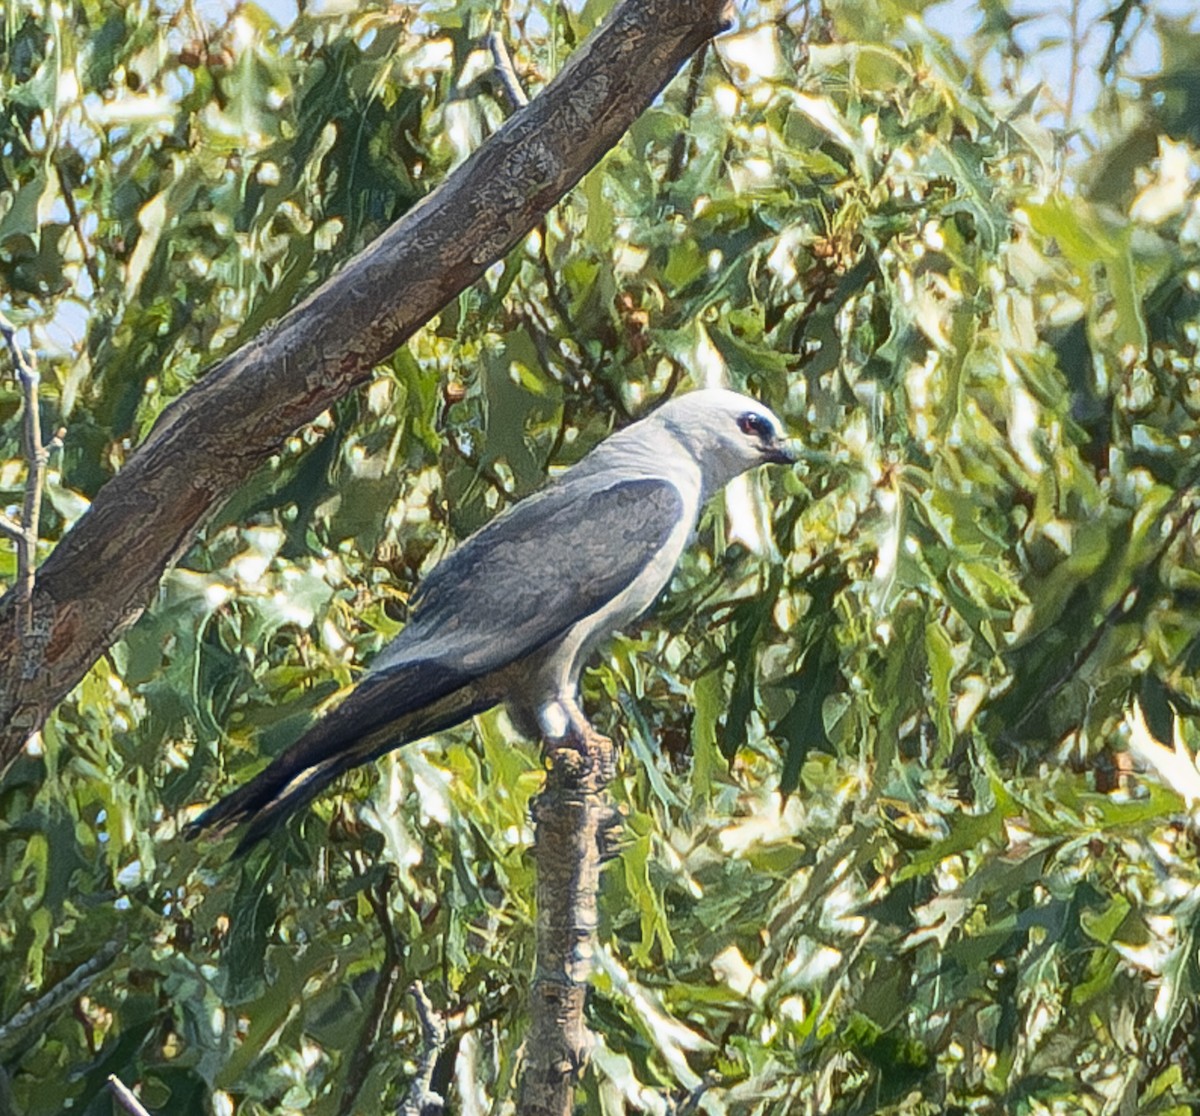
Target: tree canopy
884,849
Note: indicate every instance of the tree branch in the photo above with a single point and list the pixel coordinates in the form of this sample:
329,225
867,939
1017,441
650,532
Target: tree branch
1112,616
574,821
73,985
126,1097
89,259
679,148
380,1015
505,71
213,438
24,535
421,1099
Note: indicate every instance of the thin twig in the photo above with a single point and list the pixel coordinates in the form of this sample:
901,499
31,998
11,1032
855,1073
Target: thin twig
553,293
691,1104
1113,614
481,467
691,99
574,374
379,897
591,369
71,986
505,71
89,260
421,1100
560,435
11,529
26,535
126,1097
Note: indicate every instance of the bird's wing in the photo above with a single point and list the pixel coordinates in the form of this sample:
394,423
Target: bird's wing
515,586
535,572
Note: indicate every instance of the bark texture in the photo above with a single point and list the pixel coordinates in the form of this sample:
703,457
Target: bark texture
573,820
211,440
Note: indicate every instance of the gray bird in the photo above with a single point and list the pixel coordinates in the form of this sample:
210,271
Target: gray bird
513,614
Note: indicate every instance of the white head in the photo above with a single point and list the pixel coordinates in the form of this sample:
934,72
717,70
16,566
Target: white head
726,433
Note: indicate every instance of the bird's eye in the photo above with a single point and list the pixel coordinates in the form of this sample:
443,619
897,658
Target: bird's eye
754,425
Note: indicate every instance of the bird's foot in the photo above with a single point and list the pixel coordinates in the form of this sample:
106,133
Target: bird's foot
602,753
582,756
569,740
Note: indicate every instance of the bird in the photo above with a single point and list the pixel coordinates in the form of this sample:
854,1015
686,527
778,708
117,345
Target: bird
514,613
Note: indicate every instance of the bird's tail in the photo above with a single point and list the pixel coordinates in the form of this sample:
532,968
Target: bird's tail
277,792
383,712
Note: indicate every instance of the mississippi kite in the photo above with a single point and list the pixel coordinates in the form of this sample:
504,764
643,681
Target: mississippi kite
513,614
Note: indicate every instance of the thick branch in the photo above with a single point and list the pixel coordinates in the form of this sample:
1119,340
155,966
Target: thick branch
212,439
573,821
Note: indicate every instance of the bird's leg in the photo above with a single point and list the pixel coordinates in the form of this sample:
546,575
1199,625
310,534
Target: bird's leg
566,729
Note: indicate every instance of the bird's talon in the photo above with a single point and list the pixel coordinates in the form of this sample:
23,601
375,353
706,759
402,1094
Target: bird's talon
570,761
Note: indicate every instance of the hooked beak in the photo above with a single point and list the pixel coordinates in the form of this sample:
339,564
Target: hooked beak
781,452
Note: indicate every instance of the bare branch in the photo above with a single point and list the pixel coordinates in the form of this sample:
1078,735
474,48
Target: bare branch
25,535
505,71
421,1100
126,1097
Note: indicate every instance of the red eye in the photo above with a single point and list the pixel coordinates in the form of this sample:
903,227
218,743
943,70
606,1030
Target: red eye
754,425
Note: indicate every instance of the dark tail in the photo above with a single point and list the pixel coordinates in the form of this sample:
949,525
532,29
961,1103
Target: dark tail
277,792
386,710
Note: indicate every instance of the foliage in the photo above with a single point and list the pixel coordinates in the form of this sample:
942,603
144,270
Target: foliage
884,850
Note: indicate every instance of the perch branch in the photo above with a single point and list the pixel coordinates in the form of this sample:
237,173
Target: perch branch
574,822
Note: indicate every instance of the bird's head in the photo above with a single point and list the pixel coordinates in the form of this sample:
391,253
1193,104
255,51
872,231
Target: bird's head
726,433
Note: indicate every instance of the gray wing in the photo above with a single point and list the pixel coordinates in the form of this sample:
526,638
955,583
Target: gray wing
533,573
516,585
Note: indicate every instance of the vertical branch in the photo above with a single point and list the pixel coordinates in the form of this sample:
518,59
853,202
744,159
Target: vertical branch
421,1098
573,819
380,1015
89,259
125,1097
505,71
680,147
25,534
